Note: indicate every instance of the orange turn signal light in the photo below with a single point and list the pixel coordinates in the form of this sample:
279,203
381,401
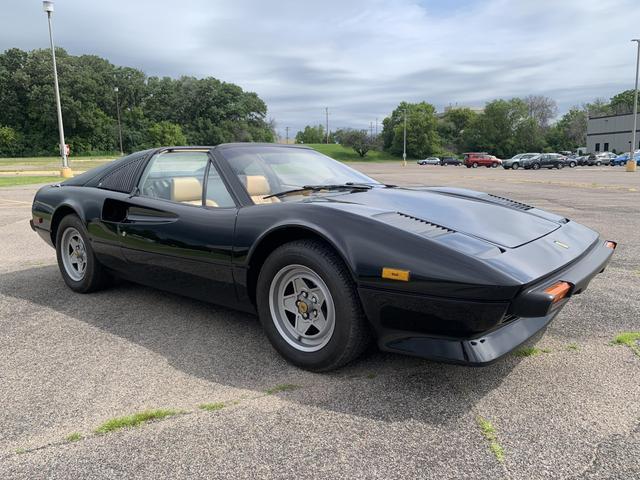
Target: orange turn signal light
610,244
395,274
558,291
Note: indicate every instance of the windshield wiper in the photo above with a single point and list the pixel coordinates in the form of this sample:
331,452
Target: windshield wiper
316,188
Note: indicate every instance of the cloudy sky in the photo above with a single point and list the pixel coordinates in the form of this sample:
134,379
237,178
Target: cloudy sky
358,57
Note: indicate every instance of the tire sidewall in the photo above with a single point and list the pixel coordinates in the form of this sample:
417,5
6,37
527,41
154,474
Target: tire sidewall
294,255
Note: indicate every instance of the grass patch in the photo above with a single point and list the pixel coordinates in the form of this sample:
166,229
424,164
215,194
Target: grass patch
489,432
54,162
530,351
630,339
211,407
73,437
285,387
20,451
26,180
573,346
134,420
343,154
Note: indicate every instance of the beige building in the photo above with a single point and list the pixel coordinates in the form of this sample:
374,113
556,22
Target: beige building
607,133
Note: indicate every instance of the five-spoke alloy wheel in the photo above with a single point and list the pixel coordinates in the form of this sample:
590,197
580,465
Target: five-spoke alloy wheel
309,306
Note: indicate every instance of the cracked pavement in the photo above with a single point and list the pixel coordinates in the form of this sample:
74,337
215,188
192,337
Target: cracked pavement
69,362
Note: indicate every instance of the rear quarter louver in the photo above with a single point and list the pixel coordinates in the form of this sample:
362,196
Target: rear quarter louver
507,202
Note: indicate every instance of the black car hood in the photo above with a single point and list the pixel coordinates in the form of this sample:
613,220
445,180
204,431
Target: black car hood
479,216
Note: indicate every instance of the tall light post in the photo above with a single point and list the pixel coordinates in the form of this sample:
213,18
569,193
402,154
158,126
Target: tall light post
66,171
631,163
115,89
404,141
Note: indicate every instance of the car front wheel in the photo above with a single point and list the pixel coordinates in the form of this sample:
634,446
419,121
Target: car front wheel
515,166
474,164
535,166
572,165
78,265
559,166
309,307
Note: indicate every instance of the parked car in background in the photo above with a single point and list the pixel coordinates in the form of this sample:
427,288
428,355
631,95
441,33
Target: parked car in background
481,159
516,161
429,161
622,160
582,160
602,158
444,161
546,160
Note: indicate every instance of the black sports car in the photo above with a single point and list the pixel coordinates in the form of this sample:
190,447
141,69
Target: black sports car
326,256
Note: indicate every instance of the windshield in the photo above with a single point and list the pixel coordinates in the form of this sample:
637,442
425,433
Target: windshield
279,169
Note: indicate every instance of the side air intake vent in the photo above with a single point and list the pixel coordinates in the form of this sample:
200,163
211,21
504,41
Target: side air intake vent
412,224
510,203
123,177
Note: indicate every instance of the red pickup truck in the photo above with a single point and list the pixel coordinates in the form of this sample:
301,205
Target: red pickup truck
477,159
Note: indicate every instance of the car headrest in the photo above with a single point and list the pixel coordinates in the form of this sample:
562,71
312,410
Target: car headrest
185,189
257,185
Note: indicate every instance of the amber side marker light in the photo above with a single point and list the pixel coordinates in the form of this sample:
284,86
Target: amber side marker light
610,244
558,291
395,274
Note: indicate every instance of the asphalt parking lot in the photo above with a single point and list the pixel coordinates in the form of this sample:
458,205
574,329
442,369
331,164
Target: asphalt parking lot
70,362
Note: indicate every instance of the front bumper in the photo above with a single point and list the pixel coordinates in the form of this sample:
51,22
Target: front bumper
506,324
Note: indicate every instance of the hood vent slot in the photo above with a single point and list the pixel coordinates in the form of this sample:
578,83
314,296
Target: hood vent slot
507,202
413,225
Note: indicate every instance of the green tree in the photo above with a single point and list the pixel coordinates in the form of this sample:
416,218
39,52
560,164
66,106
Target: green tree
311,135
8,141
358,140
422,135
166,134
623,102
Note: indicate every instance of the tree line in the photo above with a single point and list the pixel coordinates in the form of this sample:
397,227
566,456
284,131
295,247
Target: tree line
154,111
503,128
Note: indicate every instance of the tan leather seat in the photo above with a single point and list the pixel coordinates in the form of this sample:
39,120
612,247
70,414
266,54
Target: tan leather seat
188,190
258,187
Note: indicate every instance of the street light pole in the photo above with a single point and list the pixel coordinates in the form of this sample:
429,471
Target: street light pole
631,163
115,89
66,171
404,141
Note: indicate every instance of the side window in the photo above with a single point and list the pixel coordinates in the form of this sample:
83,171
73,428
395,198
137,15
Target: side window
175,176
217,194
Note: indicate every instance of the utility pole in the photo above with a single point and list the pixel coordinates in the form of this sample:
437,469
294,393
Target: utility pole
371,129
326,112
404,141
376,127
631,163
66,171
287,130
115,89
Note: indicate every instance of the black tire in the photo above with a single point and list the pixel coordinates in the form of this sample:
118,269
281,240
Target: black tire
515,166
494,165
468,166
560,166
535,166
351,334
474,165
572,164
598,163
95,277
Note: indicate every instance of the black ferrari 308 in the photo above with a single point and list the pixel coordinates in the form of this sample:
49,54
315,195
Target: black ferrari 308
328,258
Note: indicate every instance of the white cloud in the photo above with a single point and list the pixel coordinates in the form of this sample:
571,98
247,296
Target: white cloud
359,57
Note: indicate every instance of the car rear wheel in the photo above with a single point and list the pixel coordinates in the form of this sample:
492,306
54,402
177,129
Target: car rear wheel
309,307
494,165
535,166
572,164
559,166
598,164
78,265
515,166
474,164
